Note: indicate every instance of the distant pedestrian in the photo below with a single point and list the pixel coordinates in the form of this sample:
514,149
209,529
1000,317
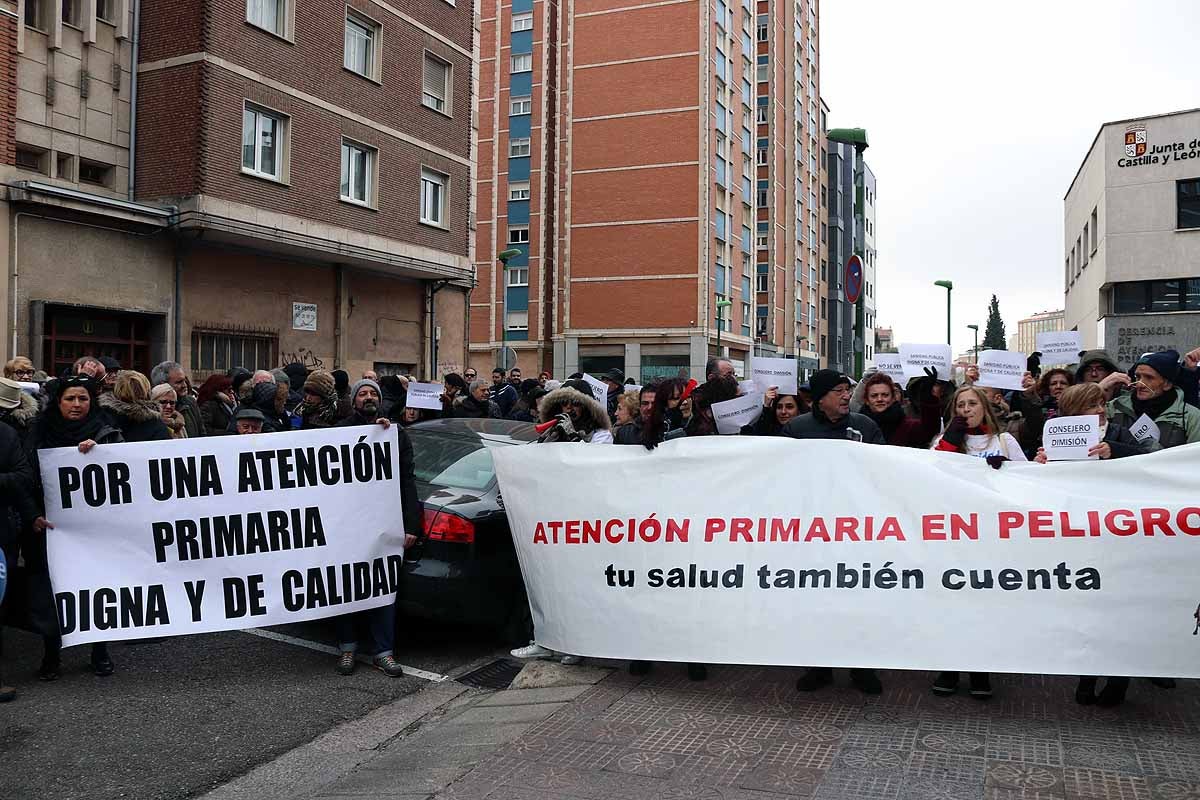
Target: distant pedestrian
502,393
216,402
476,403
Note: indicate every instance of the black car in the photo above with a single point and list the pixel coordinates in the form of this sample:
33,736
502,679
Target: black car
466,569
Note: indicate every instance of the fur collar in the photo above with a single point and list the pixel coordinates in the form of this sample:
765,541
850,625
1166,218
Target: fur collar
25,413
138,412
596,414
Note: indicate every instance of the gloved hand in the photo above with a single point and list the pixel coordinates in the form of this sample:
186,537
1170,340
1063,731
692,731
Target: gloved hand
956,432
568,427
1034,364
995,461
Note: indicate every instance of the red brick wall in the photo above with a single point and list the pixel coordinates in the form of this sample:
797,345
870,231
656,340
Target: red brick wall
171,28
169,132
8,89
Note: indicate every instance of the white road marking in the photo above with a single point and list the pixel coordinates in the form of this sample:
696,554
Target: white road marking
333,651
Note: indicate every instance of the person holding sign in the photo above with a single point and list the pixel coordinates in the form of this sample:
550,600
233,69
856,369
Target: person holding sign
1156,397
778,410
366,397
73,418
1116,440
974,430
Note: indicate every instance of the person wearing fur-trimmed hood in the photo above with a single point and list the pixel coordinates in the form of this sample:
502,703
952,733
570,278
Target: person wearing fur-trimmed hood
129,407
580,416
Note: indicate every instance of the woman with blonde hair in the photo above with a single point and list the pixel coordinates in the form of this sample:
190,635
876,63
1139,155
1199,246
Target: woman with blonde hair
974,430
1116,440
19,368
130,408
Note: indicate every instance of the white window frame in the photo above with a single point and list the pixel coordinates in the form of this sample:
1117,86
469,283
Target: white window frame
283,11
372,167
518,230
514,146
519,22
430,99
520,62
508,320
374,44
516,276
520,105
518,190
72,9
763,115
282,132
430,178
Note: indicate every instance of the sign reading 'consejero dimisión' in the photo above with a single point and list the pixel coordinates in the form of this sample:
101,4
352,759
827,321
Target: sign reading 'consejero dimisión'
1140,151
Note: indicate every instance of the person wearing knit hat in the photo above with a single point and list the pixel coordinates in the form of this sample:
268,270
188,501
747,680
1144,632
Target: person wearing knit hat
1156,397
831,418
319,408
164,395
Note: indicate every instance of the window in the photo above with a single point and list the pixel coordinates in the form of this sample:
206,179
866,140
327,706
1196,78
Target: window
64,167
218,350
1095,228
761,281
71,12
747,190
763,72
1187,197
95,173
105,9
435,84
720,62
518,148
746,238
763,26
762,198
763,115
720,221
518,234
517,320
1141,297
361,46
722,171
34,14
1086,238
270,15
358,173
262,134
722,116
518,191
761,158
520,105
762,241
433,198
32,158
521,62
516,276
522,22
722,14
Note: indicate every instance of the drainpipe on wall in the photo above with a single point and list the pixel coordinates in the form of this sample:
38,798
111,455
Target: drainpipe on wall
133,98
178,303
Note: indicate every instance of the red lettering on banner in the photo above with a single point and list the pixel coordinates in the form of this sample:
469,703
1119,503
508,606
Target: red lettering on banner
1187,527
740,529
713,526
816,530
1010,521
1041,525
846,527
572,531
788,533
1128,529
591,532
891,530
933,528
1067,531
539,534
960,527
614,538
1156,518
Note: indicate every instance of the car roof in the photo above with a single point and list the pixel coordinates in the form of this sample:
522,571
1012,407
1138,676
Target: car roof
497,430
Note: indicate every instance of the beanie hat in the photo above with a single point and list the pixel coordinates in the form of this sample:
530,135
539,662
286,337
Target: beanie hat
161,391
823,382
281,376
296,373
237,377
1165,363
110,364
320,383
365,382
341,381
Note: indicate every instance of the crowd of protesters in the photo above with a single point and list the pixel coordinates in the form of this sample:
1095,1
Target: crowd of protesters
97,403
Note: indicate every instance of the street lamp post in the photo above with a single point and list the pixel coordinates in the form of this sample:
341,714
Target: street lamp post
975,352
720,305
504,256
949,287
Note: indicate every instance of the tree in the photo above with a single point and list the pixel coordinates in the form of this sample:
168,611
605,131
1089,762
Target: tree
993,337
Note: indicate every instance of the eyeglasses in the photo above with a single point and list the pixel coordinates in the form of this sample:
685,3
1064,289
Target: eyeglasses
170,403
23,373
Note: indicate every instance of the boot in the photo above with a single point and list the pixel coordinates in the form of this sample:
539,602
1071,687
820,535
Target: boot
639,668
814,678
102,663
946,684
866,680
1113,693
1085,693
981,685
697,672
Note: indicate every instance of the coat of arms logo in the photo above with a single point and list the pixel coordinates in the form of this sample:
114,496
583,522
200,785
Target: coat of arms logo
1135,141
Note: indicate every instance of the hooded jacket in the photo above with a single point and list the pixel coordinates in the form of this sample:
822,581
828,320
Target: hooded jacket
21,418
1178,424
139,422
592,423
1088,356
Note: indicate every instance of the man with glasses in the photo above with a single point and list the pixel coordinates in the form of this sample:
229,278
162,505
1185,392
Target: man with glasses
470,375
1097,366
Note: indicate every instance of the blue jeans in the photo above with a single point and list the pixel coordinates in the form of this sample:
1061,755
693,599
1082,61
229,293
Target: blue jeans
381,623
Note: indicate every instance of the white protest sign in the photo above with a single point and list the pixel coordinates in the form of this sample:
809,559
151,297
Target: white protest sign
220,533
1001,369
636,388
916,357
747,387
779,372
892,365
424,395
1058,347
1145,430
1070,438
599,388
731,415
1026,569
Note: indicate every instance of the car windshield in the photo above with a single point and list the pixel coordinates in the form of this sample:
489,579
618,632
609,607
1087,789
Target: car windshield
458,461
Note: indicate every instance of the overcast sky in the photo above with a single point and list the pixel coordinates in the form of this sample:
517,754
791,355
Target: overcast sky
978,118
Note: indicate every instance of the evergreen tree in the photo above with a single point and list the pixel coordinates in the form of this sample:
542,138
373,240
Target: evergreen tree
993,337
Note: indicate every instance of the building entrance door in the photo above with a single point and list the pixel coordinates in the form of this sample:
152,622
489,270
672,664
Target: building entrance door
74,332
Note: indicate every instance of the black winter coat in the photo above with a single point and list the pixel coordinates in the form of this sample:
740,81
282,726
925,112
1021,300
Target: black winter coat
410,501
468,406
138,422
193,421
17,486
815,425
216,417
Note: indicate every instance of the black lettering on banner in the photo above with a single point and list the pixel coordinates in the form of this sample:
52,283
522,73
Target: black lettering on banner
186,476
101,484
244,596
195,593
107,608
238,534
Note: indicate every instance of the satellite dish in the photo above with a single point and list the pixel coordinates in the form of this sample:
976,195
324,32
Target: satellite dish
506,359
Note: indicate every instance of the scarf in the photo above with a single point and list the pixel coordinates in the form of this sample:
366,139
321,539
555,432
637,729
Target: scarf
54,430
1155,405
889,420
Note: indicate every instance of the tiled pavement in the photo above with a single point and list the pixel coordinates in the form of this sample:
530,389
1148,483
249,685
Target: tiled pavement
747,734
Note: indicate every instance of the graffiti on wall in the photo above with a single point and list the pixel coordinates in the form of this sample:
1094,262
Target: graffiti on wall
302,355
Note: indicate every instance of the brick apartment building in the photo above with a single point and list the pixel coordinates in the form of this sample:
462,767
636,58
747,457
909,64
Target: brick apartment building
279,180
647,160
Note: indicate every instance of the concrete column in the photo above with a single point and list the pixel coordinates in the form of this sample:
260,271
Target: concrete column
560,360
633,361
571,362
697,356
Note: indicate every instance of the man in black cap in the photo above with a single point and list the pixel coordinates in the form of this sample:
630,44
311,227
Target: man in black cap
614,379
248,420
830,418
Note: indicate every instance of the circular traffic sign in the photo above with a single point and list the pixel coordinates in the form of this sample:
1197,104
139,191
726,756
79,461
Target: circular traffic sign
854,279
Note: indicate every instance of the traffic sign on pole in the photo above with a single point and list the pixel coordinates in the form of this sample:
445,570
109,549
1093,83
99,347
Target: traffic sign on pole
854,279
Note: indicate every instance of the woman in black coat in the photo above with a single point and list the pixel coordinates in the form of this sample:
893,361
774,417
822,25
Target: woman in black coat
73,418
130,409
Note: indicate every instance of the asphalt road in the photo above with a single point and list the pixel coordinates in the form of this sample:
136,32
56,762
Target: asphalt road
184,715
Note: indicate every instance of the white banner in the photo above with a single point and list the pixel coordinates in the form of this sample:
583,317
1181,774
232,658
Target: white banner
1001,369
197,535
886,557
892,365
1058,347
599,389
1070,438
424,395
731,415
916,357
778,372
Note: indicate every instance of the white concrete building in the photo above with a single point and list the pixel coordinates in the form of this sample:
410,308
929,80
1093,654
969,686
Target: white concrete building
1131,242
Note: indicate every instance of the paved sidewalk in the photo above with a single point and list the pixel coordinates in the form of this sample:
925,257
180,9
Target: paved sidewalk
747,734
